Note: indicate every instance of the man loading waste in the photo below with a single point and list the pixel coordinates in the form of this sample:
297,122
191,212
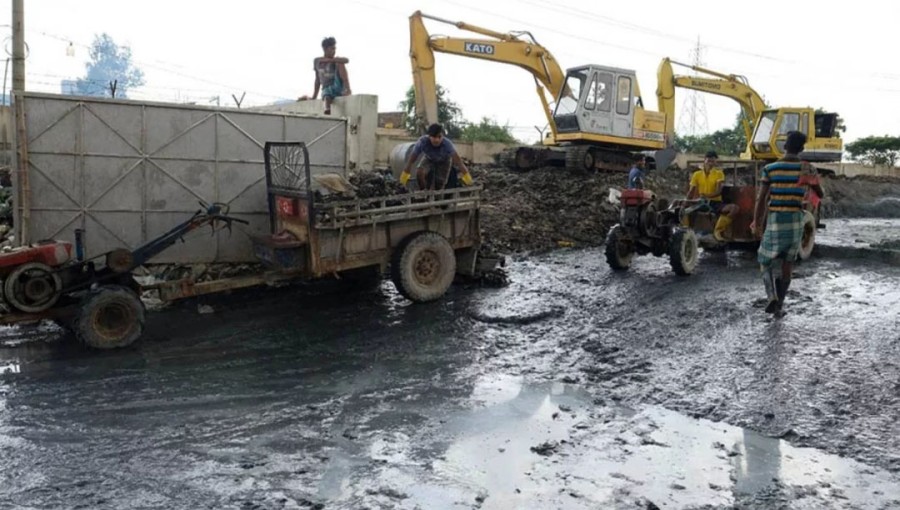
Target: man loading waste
440,156
784,184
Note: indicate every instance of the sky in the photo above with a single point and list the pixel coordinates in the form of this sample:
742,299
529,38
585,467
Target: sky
837,56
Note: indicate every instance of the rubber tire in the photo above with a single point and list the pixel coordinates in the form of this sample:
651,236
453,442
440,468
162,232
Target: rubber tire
409,253
684,251
616,258
808,241
105,300
11,279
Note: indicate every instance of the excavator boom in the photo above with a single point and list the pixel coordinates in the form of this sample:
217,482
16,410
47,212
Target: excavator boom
595,113
728,85
519,49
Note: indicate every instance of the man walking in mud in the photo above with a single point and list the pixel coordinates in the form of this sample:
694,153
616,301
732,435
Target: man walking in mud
440,156
780,205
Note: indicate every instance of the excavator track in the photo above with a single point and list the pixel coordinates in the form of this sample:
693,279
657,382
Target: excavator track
586,158
579,157
528,158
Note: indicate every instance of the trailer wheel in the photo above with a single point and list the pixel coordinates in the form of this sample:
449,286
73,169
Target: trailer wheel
808,239
423,267
684,252
618,251
110,317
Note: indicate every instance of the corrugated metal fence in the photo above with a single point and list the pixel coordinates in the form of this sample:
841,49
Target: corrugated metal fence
127,171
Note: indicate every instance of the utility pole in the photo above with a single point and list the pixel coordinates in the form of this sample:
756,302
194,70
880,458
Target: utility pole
23,221
18,17
693,114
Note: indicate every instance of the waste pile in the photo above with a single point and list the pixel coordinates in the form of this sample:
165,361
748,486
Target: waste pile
551,207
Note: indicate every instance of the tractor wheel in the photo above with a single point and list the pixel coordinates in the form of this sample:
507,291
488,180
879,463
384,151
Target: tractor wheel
32,287
684,252
808,240
423,267
110,317
619,251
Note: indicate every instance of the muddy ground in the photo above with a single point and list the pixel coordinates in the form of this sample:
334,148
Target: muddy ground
550,207
574,387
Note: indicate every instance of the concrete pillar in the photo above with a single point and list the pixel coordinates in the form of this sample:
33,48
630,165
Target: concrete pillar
361,112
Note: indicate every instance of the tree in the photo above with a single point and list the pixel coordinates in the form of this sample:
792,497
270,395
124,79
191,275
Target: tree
109,63
449,113
726,142
875,150
487,131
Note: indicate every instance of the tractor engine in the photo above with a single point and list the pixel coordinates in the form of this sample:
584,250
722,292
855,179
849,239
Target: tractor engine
639,214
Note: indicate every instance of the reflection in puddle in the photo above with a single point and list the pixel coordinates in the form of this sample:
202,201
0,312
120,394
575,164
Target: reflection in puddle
607,455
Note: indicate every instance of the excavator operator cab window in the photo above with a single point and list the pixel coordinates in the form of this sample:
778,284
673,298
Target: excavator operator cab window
789,122
598,97
571,93
826,124
623,88
764,131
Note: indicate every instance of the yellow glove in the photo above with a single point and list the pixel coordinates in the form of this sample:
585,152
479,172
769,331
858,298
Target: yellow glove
404,177
466,178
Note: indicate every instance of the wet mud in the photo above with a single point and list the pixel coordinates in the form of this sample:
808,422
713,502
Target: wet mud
572,387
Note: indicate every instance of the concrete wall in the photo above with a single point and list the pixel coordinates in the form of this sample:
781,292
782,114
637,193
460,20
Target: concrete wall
848,169
854,169
128,171
361,112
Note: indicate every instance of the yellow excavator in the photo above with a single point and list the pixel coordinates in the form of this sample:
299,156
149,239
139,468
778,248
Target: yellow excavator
595,113
766,128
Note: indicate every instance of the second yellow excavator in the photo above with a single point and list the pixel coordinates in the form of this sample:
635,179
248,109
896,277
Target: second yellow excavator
595,113
766,128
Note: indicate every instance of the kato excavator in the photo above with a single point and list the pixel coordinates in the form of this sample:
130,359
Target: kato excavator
595,113
766,128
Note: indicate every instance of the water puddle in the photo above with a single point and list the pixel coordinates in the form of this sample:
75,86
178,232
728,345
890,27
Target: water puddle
549,444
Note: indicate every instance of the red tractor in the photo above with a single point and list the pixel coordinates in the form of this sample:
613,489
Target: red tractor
649,225
97,298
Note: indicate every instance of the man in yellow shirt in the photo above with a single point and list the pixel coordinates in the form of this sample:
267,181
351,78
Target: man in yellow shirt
707,184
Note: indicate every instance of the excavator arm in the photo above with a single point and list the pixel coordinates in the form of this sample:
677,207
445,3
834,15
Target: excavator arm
515,48
728,85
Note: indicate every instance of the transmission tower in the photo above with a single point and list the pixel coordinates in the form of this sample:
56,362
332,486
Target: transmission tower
693,113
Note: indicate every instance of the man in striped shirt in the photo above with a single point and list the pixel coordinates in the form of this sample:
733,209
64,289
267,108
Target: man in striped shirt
783,186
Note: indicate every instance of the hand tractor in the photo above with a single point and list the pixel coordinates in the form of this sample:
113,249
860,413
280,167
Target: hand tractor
97,298
649,225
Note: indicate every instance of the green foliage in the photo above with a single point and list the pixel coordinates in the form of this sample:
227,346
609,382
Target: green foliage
109,62
487,130
726,142
875,150
449,113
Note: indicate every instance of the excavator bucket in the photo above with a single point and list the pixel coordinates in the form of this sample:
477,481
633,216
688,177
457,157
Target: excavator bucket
663,158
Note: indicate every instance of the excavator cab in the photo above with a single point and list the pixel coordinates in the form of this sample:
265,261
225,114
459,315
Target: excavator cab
597,100
600,118
822,144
